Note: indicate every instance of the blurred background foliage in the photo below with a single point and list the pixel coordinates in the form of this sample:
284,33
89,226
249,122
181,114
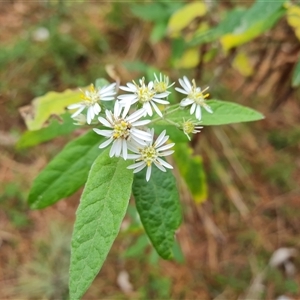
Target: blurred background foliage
246,52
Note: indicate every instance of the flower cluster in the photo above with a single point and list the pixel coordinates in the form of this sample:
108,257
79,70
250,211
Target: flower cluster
125,127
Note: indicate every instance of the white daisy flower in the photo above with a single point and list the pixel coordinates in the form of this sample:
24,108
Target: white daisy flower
123,130
195,96
144,94
91,100
151,153
162,84
190,127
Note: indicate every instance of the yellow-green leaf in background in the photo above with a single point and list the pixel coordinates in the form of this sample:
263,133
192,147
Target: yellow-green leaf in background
242,64
184,16
260,17
293,18
189,59
52,103
191,170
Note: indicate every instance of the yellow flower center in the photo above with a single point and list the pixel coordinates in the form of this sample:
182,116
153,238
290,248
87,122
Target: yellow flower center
90,96
197,95
160,87
143,92
188,127
149,154
121,129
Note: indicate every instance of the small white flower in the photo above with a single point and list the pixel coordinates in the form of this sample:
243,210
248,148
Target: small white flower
195,96
190,127
144,94
91,100
123,130
151,153
162,84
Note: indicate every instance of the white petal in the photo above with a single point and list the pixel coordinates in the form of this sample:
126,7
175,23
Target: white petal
181,91
160,166
97,108
133,156
193,108
117,110
156,109
107,133
128,97
160,101
187,82
141,134
166,153
164,163
150,85
124,149
182,83
108,89
136,165
207,108
148,109
106,143
138,141
161,142
162,95
89,115
126,109
198,112
141,123
138,169
118,147
186,102
165,147
127,89
109,116
135,116
107,98
104,122
148,174
78,112
160,138
75,105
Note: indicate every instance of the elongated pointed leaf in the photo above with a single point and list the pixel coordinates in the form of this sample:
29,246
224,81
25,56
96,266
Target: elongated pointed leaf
223,113
192,171
157,202
41,108
260,17
66,173
55,128
98,219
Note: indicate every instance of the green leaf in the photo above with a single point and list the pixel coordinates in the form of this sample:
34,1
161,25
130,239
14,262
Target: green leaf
56,128
158,32
296,75
66,173
149,11
43,107
138,248
98,219
223,113
156,12
157,202
192,171
184,16
259,18
231,20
